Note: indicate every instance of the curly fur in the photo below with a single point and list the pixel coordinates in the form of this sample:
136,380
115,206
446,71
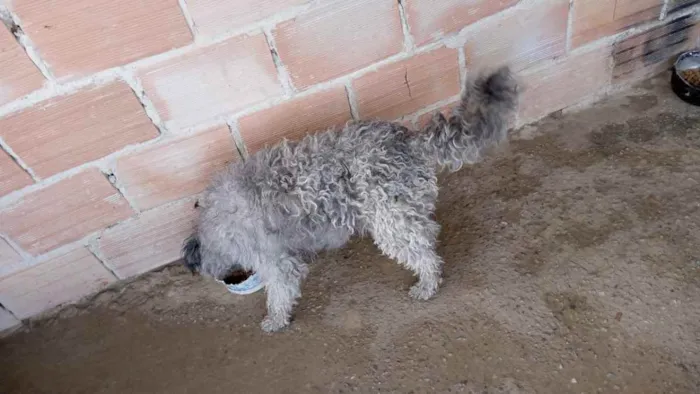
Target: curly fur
275,211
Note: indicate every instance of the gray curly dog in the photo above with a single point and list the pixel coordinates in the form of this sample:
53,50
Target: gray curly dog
275,211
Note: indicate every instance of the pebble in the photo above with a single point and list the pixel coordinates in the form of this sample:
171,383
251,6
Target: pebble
573,380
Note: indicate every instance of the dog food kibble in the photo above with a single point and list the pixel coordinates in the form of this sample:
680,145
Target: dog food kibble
692,76
236,277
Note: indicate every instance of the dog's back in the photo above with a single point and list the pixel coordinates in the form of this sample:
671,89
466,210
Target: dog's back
334,178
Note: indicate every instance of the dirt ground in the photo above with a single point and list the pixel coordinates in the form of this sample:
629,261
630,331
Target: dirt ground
572,266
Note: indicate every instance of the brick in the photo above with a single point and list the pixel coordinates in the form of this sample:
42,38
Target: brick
7,320
63,212
294,119
591,14
12,177
9,258
432,19
19,75
215,17
627,8
150,241
175,169
80,37
654,51
564,84
595,19
404,87
213,81
60,280
315,49
522,38
65,132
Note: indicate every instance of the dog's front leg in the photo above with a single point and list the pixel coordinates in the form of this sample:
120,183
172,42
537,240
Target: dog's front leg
283,287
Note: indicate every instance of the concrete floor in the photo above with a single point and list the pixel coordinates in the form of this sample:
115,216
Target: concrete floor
572,265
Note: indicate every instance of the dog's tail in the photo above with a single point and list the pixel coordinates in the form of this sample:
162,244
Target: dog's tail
191,252
481,120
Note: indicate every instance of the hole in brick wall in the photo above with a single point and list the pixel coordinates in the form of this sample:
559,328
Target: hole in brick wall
275,57
13,27
111,178
138,96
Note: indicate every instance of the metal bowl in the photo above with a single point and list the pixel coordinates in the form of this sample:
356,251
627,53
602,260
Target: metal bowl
684,89
248,286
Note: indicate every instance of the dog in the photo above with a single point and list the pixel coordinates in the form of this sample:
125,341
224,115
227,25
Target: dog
275,211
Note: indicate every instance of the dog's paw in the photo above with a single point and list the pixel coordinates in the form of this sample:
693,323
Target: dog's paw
422,292
270,324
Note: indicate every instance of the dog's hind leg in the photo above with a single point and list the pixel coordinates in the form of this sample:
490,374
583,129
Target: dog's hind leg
410,238
283,287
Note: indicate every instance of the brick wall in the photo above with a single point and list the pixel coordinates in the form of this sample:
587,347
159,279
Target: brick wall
113,115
